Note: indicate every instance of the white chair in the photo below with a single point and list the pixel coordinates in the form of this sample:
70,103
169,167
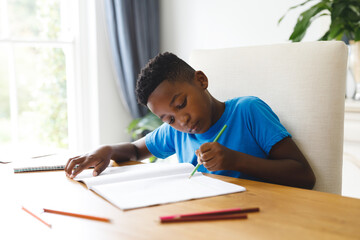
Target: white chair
304,83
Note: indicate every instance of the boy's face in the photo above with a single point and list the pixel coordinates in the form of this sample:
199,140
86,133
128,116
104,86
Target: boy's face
186,106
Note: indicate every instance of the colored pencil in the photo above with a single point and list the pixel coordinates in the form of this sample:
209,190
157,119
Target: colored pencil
77,215
224,212
35,216
216,138
204,218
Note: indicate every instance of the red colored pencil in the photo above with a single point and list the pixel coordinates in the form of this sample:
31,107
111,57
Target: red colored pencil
223,212
77,215
203,217
38,218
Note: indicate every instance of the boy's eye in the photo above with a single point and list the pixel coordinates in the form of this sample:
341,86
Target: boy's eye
171,120
182,105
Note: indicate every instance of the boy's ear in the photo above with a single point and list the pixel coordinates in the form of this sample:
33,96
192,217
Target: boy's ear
201,78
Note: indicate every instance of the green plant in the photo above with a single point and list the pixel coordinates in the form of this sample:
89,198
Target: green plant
345,19
139,127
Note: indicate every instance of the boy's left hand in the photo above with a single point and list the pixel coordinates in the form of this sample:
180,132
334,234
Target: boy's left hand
214,156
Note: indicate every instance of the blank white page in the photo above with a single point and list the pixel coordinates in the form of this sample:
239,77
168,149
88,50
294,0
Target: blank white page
164,189
133,172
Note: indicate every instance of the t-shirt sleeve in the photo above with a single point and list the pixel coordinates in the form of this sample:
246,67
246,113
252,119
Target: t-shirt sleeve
265,125
160,142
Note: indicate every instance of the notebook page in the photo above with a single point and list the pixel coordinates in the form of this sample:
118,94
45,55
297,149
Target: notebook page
133,172
162,190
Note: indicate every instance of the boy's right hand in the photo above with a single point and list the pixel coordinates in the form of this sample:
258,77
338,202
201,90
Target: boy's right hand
99,159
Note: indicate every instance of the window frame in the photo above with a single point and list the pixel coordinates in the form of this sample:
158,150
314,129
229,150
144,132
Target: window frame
81,75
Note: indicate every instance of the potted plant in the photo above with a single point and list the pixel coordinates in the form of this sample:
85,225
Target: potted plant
345,24
345,19
139,127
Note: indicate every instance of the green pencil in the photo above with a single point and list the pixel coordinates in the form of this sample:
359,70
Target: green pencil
217,137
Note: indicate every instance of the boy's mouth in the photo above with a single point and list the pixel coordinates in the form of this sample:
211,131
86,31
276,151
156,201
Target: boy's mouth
194,128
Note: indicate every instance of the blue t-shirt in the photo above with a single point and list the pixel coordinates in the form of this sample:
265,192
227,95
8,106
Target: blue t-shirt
252,128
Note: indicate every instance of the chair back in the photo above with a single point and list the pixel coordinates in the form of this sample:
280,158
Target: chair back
304,83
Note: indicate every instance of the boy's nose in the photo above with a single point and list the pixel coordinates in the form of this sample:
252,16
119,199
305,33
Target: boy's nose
184,119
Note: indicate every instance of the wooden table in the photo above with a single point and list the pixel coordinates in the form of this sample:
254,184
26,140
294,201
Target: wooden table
285,212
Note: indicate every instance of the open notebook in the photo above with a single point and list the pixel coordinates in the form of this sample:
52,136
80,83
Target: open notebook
144,185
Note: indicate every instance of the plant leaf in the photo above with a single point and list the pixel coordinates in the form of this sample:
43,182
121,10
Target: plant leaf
305,20
355,9
337,10
357,35
336,29
325,36
293,7
132,125
138,126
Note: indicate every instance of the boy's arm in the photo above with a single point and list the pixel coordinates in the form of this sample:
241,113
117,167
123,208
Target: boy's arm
130,151
286,164
100,158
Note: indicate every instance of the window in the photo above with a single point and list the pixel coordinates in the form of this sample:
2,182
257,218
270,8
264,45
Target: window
37,46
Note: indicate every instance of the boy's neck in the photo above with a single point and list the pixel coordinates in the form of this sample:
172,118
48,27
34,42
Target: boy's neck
218,109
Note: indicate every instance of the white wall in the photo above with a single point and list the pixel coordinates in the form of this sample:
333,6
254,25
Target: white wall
206,24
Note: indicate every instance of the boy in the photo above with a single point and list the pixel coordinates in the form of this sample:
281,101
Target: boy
254,145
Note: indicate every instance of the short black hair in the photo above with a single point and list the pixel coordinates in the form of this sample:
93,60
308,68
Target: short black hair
165,66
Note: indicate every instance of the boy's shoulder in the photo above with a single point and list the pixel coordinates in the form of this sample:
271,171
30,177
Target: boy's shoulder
245,104
243,101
